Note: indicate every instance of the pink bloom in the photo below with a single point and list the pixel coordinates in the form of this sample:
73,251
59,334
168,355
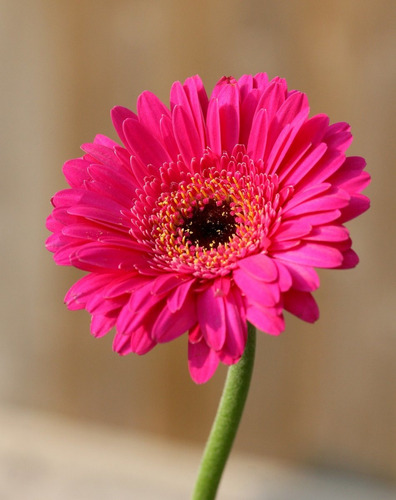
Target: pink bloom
213,213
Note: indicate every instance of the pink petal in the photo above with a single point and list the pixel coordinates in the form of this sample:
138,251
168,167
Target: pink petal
64,252
295,104
297,152
87,230
273,97
196,94
308,162
56,224
168,138
71,197
102,154
213,127
192,98
236,327
329,233
323,169
141,309
280,246
143,144
258,135
178,96
357,205
304,278
104,256
292,230
338,136
150,111
264,293
264,319
306,194
245,84
76,172
313,130
228,99
139,171
143,298
91,284
356,184
351,169
319,204
139,342
277,149
124,284
97,215
186,134
57,241
315,219
222,287
103,185
101,324
169,326
176,300
119,114
312,254
165,283
211,318
260,266
103,140
124,156
118,179
261,80
281,146
302,305
122,344
350,260
202,361
285,279
248,108
97,304
195,334
223,82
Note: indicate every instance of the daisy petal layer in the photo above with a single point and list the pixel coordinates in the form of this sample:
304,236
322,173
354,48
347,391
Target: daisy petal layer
210,212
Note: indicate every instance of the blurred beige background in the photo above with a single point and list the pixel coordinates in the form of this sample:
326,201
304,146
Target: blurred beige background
322,395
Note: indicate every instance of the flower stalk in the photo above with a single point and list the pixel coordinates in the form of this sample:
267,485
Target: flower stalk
226,423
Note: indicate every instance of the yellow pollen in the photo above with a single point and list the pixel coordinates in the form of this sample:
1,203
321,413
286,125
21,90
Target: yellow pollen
229,213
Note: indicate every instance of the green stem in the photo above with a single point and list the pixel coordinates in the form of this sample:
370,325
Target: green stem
226,423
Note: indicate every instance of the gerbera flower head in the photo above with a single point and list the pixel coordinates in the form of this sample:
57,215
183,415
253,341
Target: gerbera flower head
213,212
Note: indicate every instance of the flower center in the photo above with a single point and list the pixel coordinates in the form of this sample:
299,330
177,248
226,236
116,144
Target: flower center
210,225
203,218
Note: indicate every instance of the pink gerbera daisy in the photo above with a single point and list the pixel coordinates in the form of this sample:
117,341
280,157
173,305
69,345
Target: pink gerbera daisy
213,213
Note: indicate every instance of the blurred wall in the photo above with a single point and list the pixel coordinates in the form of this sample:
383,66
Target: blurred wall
321,394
